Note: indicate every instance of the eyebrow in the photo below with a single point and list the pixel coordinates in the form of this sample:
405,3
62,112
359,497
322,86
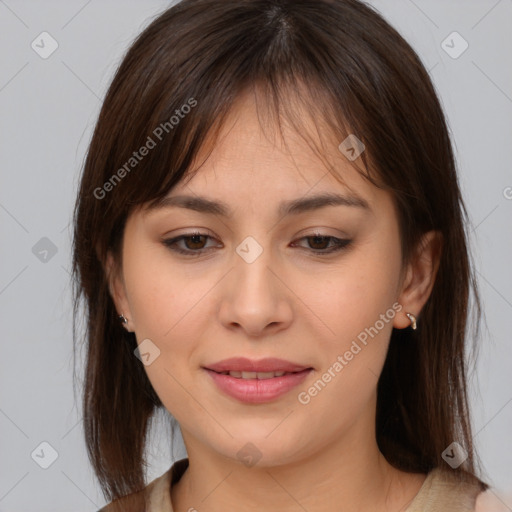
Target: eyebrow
292,207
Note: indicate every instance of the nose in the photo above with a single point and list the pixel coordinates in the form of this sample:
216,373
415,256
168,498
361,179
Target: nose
256,298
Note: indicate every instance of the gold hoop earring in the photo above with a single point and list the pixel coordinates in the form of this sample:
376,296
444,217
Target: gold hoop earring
412,318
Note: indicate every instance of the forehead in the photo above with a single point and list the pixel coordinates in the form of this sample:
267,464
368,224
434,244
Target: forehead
252,155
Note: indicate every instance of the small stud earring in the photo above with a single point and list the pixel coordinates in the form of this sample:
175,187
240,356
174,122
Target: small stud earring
412,318
123,319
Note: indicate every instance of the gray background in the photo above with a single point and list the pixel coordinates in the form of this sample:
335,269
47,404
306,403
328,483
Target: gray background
48,110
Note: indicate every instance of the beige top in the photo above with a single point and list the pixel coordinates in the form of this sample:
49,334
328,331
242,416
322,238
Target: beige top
439,493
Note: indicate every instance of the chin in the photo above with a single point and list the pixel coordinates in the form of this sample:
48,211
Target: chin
260,451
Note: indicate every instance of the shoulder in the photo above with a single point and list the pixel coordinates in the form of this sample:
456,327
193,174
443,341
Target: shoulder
446,490
488,501
155,496
129,503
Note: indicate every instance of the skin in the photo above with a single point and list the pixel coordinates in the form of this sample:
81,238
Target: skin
289,303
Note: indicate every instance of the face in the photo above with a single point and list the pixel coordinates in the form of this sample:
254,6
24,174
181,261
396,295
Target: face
318,287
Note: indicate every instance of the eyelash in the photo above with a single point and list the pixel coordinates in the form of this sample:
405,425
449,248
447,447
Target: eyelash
340,244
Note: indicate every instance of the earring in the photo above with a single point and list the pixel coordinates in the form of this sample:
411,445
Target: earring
123,319
412,318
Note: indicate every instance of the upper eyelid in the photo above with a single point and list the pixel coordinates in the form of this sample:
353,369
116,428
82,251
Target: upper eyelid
339,240
309,231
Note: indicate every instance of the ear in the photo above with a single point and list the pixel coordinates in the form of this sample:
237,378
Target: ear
117,290
419,277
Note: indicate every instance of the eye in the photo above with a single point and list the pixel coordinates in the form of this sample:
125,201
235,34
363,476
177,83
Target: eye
319,243
195,244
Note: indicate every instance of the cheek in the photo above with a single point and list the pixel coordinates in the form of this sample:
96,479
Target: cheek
163,303
357,292
161,296
356,304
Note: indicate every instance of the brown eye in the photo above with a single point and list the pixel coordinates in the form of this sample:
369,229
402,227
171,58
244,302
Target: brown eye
194,243
320,244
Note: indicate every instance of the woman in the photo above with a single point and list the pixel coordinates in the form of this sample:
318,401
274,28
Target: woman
271,244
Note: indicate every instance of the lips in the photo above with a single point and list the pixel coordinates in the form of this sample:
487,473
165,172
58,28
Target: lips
254,375
257,390
257,382
260,369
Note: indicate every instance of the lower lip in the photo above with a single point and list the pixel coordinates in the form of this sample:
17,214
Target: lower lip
257,391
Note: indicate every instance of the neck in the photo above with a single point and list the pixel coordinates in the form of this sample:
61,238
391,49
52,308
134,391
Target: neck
350,474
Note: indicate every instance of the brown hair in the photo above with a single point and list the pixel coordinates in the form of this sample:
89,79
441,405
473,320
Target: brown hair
351,70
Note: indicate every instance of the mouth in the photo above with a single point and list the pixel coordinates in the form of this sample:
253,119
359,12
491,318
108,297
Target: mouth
257,375
266,368
252,387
